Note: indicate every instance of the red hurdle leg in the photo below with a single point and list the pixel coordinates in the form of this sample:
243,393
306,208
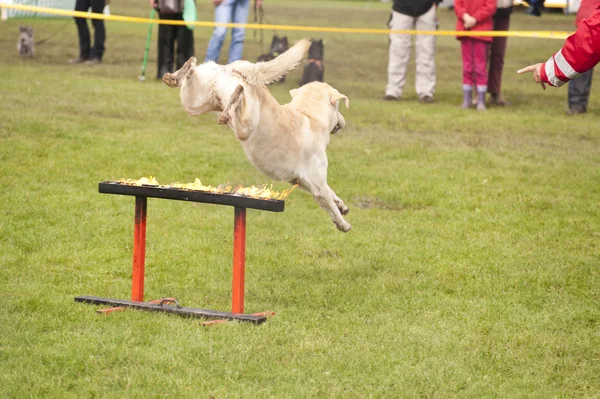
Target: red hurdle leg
139,249
239,259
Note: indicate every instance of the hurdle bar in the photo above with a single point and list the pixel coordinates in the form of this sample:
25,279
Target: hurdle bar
240,204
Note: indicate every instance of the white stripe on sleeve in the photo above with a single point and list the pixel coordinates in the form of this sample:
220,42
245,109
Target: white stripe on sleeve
549,68
564,66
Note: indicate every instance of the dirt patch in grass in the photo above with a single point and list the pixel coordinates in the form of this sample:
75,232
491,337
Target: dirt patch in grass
367,202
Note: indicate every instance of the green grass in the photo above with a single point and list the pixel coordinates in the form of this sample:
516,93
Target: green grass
472,269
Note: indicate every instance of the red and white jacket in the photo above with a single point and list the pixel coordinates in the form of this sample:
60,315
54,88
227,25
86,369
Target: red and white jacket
580,53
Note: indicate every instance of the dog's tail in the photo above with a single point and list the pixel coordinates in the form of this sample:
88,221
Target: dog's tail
267,72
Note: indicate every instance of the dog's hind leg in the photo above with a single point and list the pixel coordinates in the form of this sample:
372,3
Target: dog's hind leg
230,110
236,116
174,79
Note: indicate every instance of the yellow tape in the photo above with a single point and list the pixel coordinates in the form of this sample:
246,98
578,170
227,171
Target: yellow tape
122,18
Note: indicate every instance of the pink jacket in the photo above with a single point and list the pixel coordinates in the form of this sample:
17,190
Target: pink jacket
481,10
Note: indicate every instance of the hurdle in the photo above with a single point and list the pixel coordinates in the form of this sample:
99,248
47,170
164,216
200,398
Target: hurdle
240,204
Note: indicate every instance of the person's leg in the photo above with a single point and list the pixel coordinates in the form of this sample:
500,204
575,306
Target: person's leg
579,92
82,30
480,52
425,58
99,31
222,14
185,45
166,47
498,51
239,16
466,47
399,54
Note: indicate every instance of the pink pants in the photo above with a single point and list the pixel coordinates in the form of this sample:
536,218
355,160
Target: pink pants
474,59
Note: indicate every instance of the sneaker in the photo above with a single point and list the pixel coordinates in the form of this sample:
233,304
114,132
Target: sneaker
92,61
390,98
77,60
426,100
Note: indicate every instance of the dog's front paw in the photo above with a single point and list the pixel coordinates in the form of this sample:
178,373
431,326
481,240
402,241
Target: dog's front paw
343,226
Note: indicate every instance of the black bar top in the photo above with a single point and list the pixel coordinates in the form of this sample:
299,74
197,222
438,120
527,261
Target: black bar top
111,187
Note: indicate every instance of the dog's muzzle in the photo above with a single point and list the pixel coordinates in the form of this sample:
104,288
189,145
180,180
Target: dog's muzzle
339,125
336,128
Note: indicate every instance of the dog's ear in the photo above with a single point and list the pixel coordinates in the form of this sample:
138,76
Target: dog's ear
293,92
335,96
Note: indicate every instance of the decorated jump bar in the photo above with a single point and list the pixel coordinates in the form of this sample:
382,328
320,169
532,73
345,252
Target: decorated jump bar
263,199
182,194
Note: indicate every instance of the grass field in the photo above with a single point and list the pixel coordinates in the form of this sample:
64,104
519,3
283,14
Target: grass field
472,268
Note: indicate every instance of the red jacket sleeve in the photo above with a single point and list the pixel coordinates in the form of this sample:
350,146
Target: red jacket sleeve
485,11
580,53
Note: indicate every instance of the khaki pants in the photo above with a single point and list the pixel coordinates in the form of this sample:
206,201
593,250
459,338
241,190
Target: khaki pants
399,53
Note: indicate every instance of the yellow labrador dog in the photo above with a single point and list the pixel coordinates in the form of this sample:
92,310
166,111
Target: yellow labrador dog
286,142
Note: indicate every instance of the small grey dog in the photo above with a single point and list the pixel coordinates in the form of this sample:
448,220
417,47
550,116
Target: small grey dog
26,45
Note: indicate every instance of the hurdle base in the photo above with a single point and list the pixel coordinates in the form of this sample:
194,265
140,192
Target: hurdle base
180,311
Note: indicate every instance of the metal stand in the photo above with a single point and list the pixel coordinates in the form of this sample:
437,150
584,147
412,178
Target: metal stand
239,260
139,257
139,249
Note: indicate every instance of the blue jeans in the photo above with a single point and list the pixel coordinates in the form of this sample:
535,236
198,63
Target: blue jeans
235,11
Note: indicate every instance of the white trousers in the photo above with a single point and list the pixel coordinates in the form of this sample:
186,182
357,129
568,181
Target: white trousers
399,53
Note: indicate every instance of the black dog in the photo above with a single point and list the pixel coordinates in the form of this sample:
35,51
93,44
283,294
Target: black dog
278,45
314,69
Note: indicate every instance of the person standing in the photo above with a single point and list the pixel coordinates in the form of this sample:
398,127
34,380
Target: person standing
408,15
228,11
579,89
168,35
87,54
474,15
501,22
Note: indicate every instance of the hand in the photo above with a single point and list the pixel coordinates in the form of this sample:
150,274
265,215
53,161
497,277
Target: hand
469,21
536,69
259,3
153,3
217,3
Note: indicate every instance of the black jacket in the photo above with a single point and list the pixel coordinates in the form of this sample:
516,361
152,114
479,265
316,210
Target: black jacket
414,8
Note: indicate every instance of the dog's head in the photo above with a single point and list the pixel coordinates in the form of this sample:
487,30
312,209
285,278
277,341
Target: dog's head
317,97
279,45
26,32
315,52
